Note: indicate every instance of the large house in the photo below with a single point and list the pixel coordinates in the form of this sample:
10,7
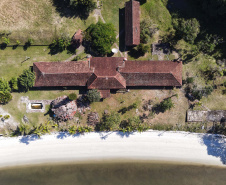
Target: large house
132,23
106,73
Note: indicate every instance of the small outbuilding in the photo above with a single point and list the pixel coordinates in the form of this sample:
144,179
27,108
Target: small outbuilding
132,23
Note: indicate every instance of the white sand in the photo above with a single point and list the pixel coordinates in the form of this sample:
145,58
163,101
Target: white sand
151,145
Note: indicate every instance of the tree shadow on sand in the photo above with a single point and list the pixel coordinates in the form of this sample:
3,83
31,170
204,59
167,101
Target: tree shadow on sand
216,145
27,139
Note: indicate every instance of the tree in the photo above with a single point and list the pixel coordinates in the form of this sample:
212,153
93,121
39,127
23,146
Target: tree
93,95
5,97
60,44
147,29
166,104
101,36
72,96
187,29
84,7
142,49
208,43
13,84
110,121
214,9
26,80
4,85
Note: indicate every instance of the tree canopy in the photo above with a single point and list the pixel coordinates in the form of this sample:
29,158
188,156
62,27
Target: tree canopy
4,85
26,80
93,95
188,29
5,97
101,37
110,121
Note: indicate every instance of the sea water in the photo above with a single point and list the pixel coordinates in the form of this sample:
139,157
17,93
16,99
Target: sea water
114,173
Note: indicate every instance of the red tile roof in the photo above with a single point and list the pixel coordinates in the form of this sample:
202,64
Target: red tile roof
49,74
132,23
105,73
152,73
108,73
105,93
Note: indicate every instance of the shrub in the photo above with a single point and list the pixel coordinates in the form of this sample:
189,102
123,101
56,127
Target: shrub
101,36
4,85
0,116
13,84
147,29
6,117
60,44
190,80
6,40
18,42
93,95
26,80
5,97
142,49
72,96
110,121
166,104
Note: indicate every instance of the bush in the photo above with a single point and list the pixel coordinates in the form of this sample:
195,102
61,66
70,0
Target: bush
6,40
142,49
5,97
147,29
190,80
166,104
110,121
101,36
13,84
93,95
209,43
26,80
60,44
6,117
72,96
4,85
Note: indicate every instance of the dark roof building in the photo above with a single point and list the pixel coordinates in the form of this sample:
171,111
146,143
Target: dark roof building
132,23
105,73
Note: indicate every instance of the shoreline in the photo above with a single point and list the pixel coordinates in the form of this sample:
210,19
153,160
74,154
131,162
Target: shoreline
150,146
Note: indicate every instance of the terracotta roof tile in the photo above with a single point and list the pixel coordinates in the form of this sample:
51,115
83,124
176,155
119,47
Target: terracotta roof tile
152,73
49,74
132,23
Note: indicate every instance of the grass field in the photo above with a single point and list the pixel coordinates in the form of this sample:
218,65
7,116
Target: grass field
11,60
36,19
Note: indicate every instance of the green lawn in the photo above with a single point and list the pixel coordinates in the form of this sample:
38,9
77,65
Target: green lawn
38,20
11,60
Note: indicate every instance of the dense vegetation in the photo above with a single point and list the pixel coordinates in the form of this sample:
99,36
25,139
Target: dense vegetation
101,37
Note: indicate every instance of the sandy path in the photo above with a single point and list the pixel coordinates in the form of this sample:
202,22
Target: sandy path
151,145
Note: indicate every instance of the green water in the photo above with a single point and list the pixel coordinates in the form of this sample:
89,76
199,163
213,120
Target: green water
117,173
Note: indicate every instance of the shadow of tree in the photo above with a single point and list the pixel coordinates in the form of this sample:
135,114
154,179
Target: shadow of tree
27,139
124,134
62,135
65,10
216,146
